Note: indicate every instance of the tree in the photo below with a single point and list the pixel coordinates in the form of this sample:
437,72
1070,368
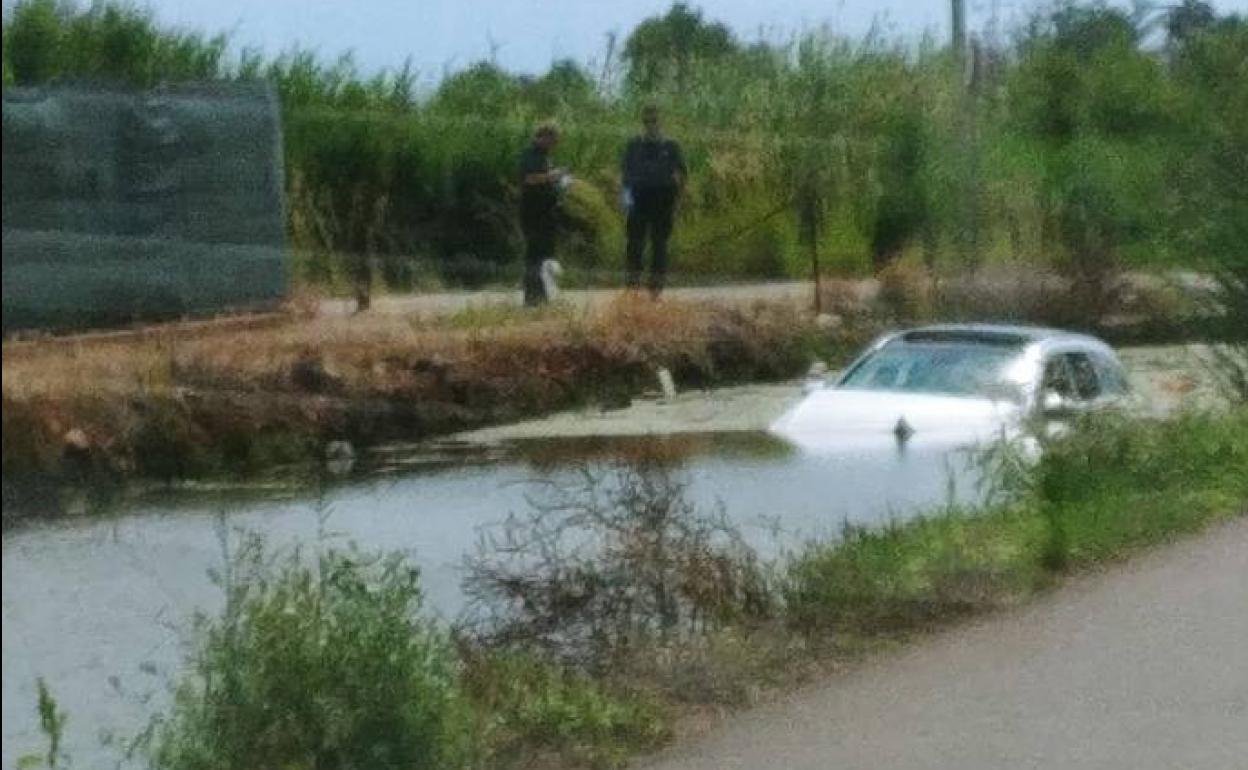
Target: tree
1207,182
663,51
564,85
482,89
1188,20
1095,104
32,41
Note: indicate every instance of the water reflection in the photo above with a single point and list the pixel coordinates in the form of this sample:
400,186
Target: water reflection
90,602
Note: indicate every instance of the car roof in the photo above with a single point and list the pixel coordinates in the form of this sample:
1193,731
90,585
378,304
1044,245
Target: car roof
991,334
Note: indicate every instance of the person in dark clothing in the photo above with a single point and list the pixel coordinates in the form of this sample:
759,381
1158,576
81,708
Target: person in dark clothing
653,172
539,201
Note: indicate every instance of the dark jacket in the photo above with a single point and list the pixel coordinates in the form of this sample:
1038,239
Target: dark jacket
651,164
536,200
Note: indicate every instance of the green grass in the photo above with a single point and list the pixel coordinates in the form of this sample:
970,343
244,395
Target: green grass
327,661
1112,489
916,573
1099,494
538,708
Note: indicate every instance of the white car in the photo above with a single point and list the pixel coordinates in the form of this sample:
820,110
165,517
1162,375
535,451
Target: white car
957,385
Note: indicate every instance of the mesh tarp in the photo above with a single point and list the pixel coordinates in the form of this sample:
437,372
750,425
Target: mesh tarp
126,206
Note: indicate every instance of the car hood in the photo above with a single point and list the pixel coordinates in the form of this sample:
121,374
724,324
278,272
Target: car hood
831,418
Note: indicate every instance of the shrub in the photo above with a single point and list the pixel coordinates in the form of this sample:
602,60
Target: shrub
321,665
602,565
1114,485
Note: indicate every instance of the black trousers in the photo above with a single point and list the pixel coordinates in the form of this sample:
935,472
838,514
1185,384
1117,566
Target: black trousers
539,246
650,218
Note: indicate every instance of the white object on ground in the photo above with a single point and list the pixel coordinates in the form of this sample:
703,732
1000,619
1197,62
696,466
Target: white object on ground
667,384
339,457
551,270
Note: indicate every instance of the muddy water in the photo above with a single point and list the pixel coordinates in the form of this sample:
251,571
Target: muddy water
100,607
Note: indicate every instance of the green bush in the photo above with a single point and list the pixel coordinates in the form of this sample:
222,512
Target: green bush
316,665
1113,486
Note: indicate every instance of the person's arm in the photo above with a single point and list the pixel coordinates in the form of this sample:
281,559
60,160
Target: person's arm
543,177
533,171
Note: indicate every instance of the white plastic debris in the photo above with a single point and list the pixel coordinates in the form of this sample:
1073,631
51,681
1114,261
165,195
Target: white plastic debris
551,270
667,384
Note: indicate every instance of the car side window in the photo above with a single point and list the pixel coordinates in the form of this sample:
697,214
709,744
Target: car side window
1087,382
1057,377
1073,376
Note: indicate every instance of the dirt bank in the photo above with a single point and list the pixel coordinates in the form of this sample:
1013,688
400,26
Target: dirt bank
166,407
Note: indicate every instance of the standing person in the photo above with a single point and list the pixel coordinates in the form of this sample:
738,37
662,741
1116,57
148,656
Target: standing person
653,172
539,201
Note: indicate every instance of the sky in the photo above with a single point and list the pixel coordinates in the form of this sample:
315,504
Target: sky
525,36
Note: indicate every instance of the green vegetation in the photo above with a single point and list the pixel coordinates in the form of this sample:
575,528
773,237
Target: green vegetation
52,725
326,661
535,707
1109,489
322,665
1098,494
1088,144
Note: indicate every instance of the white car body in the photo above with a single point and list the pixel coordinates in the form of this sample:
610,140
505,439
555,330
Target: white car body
841,416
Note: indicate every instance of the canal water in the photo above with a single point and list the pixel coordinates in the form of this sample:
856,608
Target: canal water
101,606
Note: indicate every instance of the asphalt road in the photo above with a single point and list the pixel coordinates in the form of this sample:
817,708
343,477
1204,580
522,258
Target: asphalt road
1141,667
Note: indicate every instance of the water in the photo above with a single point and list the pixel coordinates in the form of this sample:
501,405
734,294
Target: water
100,607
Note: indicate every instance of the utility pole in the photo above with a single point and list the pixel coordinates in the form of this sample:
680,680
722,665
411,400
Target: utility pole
965,65
959,33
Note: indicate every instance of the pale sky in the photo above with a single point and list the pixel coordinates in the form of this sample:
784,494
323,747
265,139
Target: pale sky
527,35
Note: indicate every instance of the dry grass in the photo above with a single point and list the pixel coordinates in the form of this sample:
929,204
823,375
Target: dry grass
209,400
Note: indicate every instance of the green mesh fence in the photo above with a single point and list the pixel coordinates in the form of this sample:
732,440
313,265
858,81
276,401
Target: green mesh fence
125,206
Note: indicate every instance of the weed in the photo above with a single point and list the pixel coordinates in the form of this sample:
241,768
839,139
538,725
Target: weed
316,665
603,566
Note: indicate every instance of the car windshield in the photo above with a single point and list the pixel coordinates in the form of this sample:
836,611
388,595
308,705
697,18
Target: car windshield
958,369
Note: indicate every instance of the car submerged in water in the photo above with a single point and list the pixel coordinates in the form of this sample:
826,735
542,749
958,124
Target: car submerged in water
958,385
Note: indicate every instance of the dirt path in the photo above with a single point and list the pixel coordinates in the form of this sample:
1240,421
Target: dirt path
445,303
1143,667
